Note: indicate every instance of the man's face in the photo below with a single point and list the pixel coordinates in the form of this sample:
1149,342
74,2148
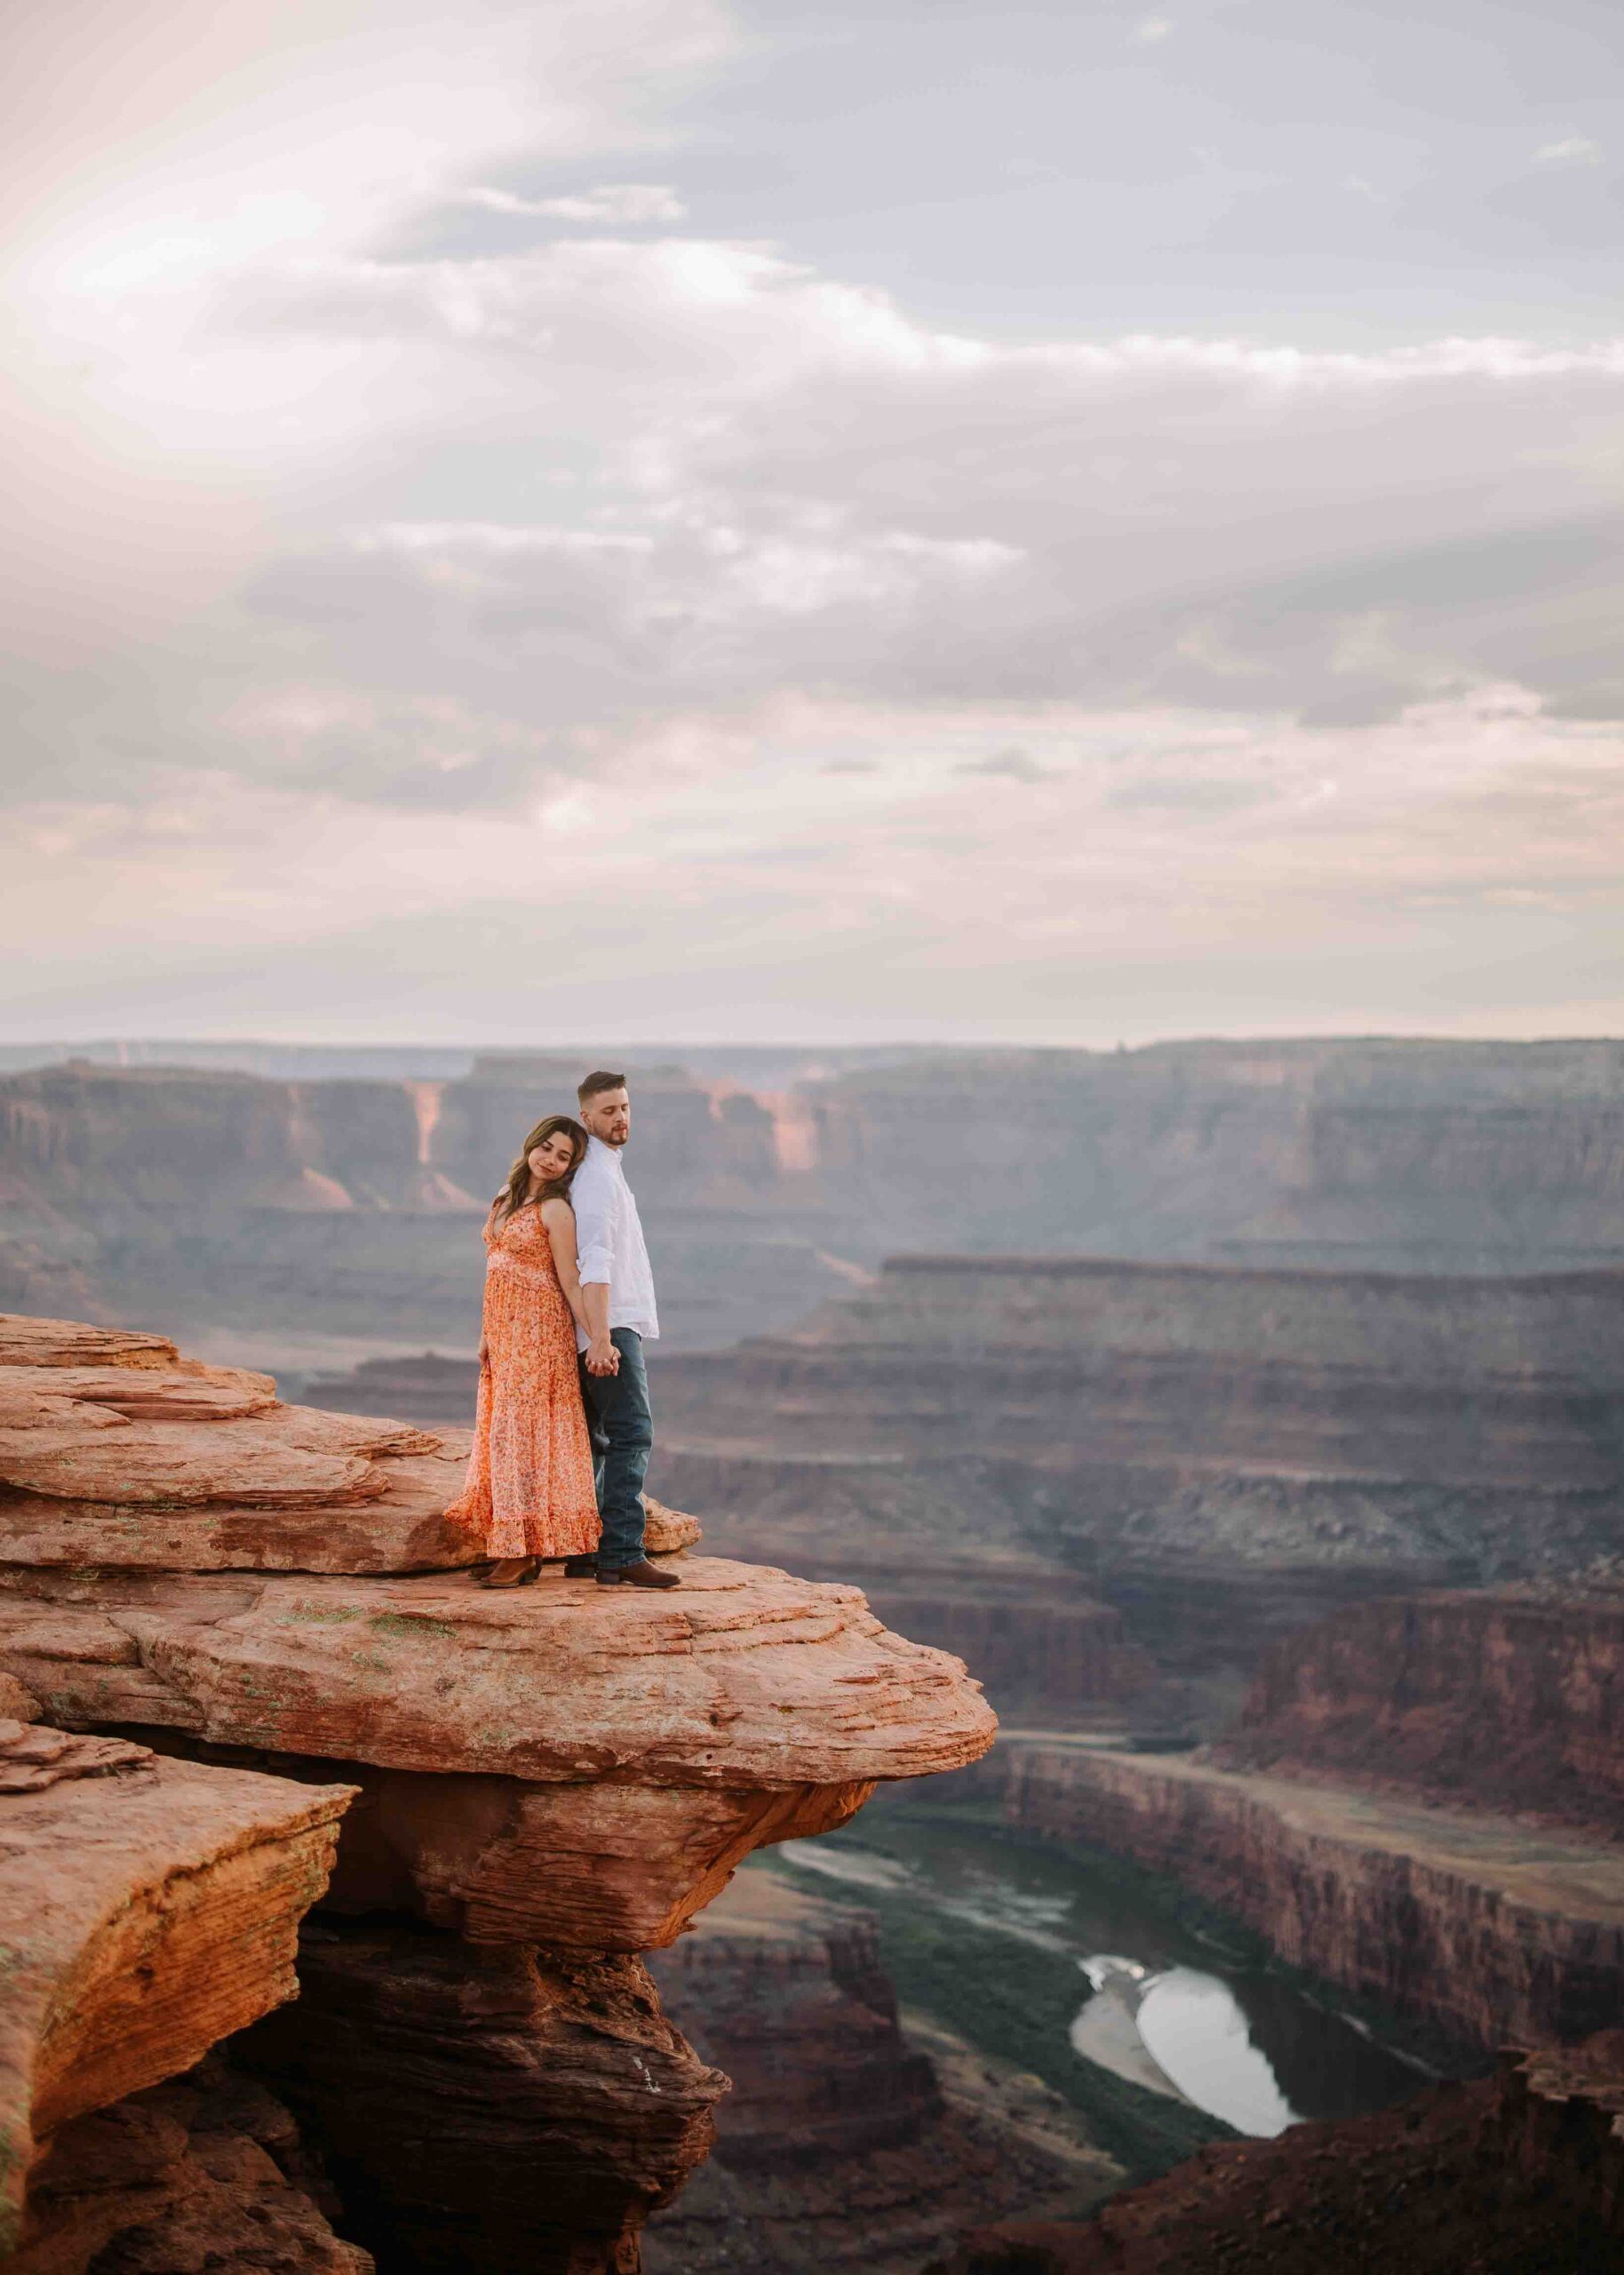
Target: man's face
609,1116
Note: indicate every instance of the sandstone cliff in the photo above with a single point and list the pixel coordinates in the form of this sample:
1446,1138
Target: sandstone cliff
1512,1698
844,2143
1518,2174
1218,1455
548,1781
1456,1917
294,1216
148,1909
291,1211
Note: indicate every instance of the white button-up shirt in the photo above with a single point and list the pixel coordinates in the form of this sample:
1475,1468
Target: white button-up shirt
610,1238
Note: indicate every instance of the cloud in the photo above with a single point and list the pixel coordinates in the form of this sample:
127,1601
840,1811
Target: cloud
1011,764
1571,150
624,205
392,588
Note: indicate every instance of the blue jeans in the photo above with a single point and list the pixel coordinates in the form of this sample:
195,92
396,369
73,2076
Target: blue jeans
621,1426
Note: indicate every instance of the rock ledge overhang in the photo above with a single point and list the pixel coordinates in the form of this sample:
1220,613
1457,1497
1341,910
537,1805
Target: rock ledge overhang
147,1908
185,1559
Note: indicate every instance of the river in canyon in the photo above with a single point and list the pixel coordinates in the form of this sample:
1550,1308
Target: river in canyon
1172,2008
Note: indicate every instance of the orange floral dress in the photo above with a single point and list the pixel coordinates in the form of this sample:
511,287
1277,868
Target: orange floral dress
529,1488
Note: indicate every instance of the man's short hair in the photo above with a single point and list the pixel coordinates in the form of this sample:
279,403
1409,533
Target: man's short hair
600,1080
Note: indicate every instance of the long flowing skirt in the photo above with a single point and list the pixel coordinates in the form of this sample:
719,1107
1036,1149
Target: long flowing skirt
529,1490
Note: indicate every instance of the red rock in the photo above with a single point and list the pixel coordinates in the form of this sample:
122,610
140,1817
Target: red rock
666,1531
1518,2175
211,1472
147,1913
174,1465
511,2111
788,1995
187,1392
1455,1916
559,1764
744,1678
403,1528
33,1756
205,2176
28,1342
582,1867
1501,1696
25,1408
314,1432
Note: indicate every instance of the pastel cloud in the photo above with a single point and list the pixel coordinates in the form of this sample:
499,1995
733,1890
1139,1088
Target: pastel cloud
394,599
624,204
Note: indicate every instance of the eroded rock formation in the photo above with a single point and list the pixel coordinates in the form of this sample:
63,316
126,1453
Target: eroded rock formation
349,1207
1513,1699
551,1779
1454,1915
1221,1455
1518,2174
844,2145
205,2176
504,2111
148,1908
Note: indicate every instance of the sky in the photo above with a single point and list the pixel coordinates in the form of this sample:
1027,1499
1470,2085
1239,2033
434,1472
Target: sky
1052,525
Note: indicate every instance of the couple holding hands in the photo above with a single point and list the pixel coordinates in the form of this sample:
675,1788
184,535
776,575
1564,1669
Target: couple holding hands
563,1430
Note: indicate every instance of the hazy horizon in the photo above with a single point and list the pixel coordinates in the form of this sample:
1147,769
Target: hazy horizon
814,524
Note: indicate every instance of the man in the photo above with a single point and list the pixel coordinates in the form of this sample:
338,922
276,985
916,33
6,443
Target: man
618,1294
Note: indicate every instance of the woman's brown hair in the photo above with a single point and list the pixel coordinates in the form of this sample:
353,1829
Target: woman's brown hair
515,1192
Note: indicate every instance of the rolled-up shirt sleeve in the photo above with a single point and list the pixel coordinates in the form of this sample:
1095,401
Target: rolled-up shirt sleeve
592,1195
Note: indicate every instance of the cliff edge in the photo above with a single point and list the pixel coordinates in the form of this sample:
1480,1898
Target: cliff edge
546,1783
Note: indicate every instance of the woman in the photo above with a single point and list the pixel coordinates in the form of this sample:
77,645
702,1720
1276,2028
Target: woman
530,1485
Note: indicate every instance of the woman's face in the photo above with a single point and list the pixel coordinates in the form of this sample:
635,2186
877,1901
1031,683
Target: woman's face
552,1158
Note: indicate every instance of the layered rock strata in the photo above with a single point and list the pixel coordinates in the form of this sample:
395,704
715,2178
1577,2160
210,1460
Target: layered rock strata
148,1908
113,1456
1514,1699
637,1748
292,1211
555,1767
205,2176
845,2142
298,1209
1518,2174
1219,1453
788,1997
504,2110
1465,1920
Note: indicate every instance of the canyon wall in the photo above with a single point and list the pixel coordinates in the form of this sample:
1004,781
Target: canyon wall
541,1785
844,2145
1375,1154
1521,2174
286,1215
286,1207
1463,1920
1509,1698
1219,1454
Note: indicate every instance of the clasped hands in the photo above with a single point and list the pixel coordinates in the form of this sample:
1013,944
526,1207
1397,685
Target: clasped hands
602,1357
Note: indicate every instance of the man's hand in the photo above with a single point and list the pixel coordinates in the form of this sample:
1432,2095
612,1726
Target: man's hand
601,1356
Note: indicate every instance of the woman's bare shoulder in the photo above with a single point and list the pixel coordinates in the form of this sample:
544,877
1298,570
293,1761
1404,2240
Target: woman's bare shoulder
556,1210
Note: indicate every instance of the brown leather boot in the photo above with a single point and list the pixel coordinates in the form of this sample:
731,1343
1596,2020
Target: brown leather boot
511,1572
641,1575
